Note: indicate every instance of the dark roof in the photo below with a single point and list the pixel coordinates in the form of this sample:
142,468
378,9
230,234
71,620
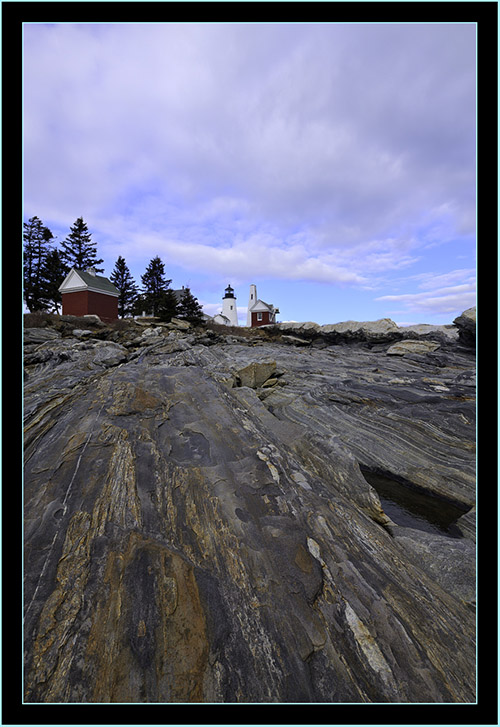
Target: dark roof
97,282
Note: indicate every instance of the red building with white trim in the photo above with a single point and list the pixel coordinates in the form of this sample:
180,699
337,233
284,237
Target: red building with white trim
259,313
84,292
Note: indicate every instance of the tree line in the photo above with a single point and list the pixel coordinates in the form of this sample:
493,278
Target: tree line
46,266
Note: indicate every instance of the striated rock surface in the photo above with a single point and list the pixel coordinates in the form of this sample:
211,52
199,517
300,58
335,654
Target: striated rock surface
411,346
200,527
381,331
466,324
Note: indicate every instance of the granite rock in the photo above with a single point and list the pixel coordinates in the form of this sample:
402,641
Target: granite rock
446,333
412,346
188,541
39,335
381,330
466,324
256,374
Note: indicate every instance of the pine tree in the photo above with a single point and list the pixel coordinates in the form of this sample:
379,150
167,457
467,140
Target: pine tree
78,249
37,239
154,285
54,273
189,308
157,298
124,281
139,306
167,307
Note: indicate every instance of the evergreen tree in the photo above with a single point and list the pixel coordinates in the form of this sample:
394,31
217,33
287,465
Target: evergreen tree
189,308
78,249
37,239
154,286
167,307
124,281
157,298
139,306
54,273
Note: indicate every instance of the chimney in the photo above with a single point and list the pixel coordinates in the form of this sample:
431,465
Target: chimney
91,271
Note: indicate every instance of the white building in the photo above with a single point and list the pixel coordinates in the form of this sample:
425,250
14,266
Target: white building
229,315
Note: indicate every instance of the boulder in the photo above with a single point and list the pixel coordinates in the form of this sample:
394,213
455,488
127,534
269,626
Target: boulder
148,332
412,346
40,335
108,354
306,327
446,334
466,324
294,340
381,330
179,324
255,374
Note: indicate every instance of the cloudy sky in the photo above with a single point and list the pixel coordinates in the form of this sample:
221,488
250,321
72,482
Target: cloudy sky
333,165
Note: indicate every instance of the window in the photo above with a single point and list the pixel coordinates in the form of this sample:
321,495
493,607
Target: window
259,316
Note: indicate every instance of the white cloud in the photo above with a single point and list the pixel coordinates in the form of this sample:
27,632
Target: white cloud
431,281
259,255
439,295
300,152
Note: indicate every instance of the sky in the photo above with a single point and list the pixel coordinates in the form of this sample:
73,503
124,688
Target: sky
332,165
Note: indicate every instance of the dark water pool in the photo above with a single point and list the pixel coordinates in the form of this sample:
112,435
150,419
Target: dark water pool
412,508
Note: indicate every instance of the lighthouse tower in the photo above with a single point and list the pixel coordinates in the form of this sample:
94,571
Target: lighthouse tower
229,307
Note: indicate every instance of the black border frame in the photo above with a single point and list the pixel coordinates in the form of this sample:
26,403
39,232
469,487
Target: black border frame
485,16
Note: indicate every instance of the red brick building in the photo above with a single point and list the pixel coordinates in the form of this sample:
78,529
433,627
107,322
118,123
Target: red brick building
261,318
259,313
85,293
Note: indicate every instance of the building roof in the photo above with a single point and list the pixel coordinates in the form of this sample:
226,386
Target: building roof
83,280
260,305
218,316
97,281
178,294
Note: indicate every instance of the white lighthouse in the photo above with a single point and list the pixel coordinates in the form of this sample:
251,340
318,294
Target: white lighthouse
229,315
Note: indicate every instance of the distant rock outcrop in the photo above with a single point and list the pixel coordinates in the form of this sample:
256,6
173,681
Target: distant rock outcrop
199,526
466,324
381,331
